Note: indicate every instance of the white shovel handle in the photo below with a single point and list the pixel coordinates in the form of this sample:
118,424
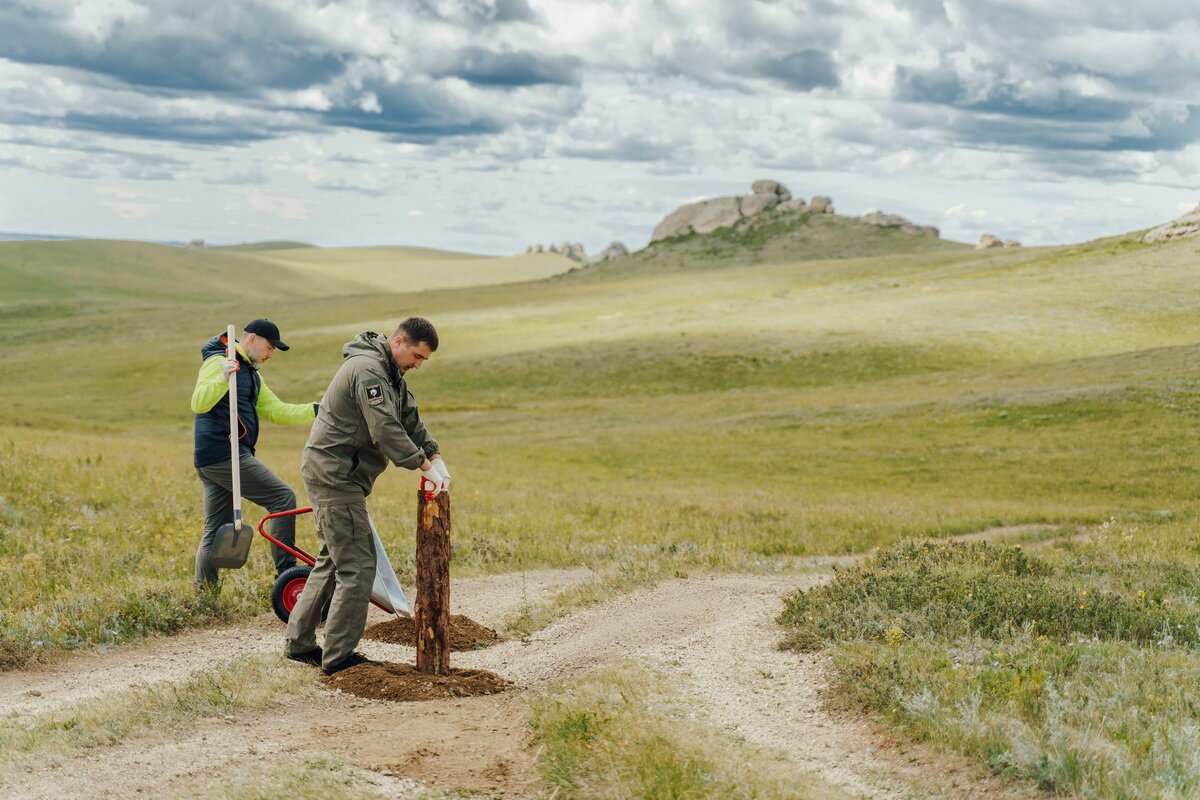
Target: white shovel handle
233,433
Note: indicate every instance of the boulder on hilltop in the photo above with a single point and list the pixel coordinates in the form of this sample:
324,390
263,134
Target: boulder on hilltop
988,241
771,188
708,215
575,252
1185,226
896,221
612,251
821,205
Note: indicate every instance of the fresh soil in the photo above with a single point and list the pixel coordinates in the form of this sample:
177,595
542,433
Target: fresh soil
384,680
465,633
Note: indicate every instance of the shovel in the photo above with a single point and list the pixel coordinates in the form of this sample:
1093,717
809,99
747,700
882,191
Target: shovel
231,544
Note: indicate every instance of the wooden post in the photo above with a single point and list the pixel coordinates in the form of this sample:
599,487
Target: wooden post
432,613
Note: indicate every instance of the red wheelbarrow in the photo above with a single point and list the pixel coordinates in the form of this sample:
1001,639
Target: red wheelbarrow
290,583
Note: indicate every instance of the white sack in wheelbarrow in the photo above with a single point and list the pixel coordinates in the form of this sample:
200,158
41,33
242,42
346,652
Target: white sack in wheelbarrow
386,591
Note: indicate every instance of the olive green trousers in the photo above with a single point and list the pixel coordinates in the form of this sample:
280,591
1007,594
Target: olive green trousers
343,576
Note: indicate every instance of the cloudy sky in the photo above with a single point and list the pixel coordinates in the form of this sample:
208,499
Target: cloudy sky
485,125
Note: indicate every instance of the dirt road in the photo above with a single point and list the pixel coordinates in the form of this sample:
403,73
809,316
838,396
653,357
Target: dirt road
716,633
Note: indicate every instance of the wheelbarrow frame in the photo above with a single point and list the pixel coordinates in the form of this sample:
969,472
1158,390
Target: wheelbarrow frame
304,556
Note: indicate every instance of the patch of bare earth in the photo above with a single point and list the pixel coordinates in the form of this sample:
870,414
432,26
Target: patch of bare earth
716,633
464,634
386,680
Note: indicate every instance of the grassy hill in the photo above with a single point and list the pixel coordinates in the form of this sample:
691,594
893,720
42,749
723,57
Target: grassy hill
777,235
76,274
256,247
706,404
409,269
86,271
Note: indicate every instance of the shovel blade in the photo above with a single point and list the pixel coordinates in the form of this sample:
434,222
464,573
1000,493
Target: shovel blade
230,547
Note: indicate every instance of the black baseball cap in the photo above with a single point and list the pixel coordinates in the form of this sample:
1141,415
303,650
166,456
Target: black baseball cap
267,330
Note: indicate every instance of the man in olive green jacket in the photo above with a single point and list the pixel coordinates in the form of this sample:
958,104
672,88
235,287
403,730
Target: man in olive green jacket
366,419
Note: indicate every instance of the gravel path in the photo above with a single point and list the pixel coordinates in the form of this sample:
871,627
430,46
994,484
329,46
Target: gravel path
173,658
716,633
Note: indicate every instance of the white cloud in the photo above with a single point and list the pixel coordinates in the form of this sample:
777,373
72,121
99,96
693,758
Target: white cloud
130,210
272,205
348,106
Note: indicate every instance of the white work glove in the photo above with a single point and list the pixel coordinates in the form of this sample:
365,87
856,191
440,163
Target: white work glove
440,463
228,367
432,482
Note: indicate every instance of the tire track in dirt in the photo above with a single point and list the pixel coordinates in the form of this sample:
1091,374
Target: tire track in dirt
716,633
82,676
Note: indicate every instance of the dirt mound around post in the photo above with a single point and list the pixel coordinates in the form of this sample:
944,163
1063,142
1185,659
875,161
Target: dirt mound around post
383,680
465,633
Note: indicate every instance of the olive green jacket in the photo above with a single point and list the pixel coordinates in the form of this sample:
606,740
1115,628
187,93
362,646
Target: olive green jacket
366,419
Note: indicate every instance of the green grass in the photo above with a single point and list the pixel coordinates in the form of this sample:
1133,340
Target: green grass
94,548
137,274
714,403
115,275
318,778
622,734
245,684
729,419
407,269
254,247
1077,669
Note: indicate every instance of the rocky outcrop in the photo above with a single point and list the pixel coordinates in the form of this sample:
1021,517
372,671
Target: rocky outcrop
702,217
769,188
708,215
612,251
896,221
988,241
821,205
756,204
1181,228
575,252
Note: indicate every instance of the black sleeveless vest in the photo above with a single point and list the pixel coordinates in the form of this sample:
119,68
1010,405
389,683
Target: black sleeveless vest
212,427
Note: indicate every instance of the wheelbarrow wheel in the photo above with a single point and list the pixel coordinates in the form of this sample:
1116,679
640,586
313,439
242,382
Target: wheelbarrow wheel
286,591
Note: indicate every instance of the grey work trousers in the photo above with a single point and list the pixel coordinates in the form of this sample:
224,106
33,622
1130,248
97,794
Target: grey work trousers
259,485
345,572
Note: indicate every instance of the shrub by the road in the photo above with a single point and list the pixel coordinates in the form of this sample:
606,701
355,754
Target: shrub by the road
1078,670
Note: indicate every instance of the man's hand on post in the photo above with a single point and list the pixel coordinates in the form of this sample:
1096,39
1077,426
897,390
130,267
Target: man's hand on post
439,463
432,482
228,367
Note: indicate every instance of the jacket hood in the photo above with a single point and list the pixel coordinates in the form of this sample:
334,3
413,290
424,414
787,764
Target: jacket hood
213,346
216,346
369,343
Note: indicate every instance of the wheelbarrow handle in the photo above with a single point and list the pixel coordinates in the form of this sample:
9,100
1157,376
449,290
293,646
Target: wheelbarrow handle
296,551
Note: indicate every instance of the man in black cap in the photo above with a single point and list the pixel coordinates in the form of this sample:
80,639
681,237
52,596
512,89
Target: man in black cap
210,402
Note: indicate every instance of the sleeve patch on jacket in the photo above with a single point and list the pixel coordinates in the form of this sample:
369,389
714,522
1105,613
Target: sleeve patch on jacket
374,394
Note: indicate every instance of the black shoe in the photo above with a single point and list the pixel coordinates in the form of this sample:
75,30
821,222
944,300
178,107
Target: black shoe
352,660
312,657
